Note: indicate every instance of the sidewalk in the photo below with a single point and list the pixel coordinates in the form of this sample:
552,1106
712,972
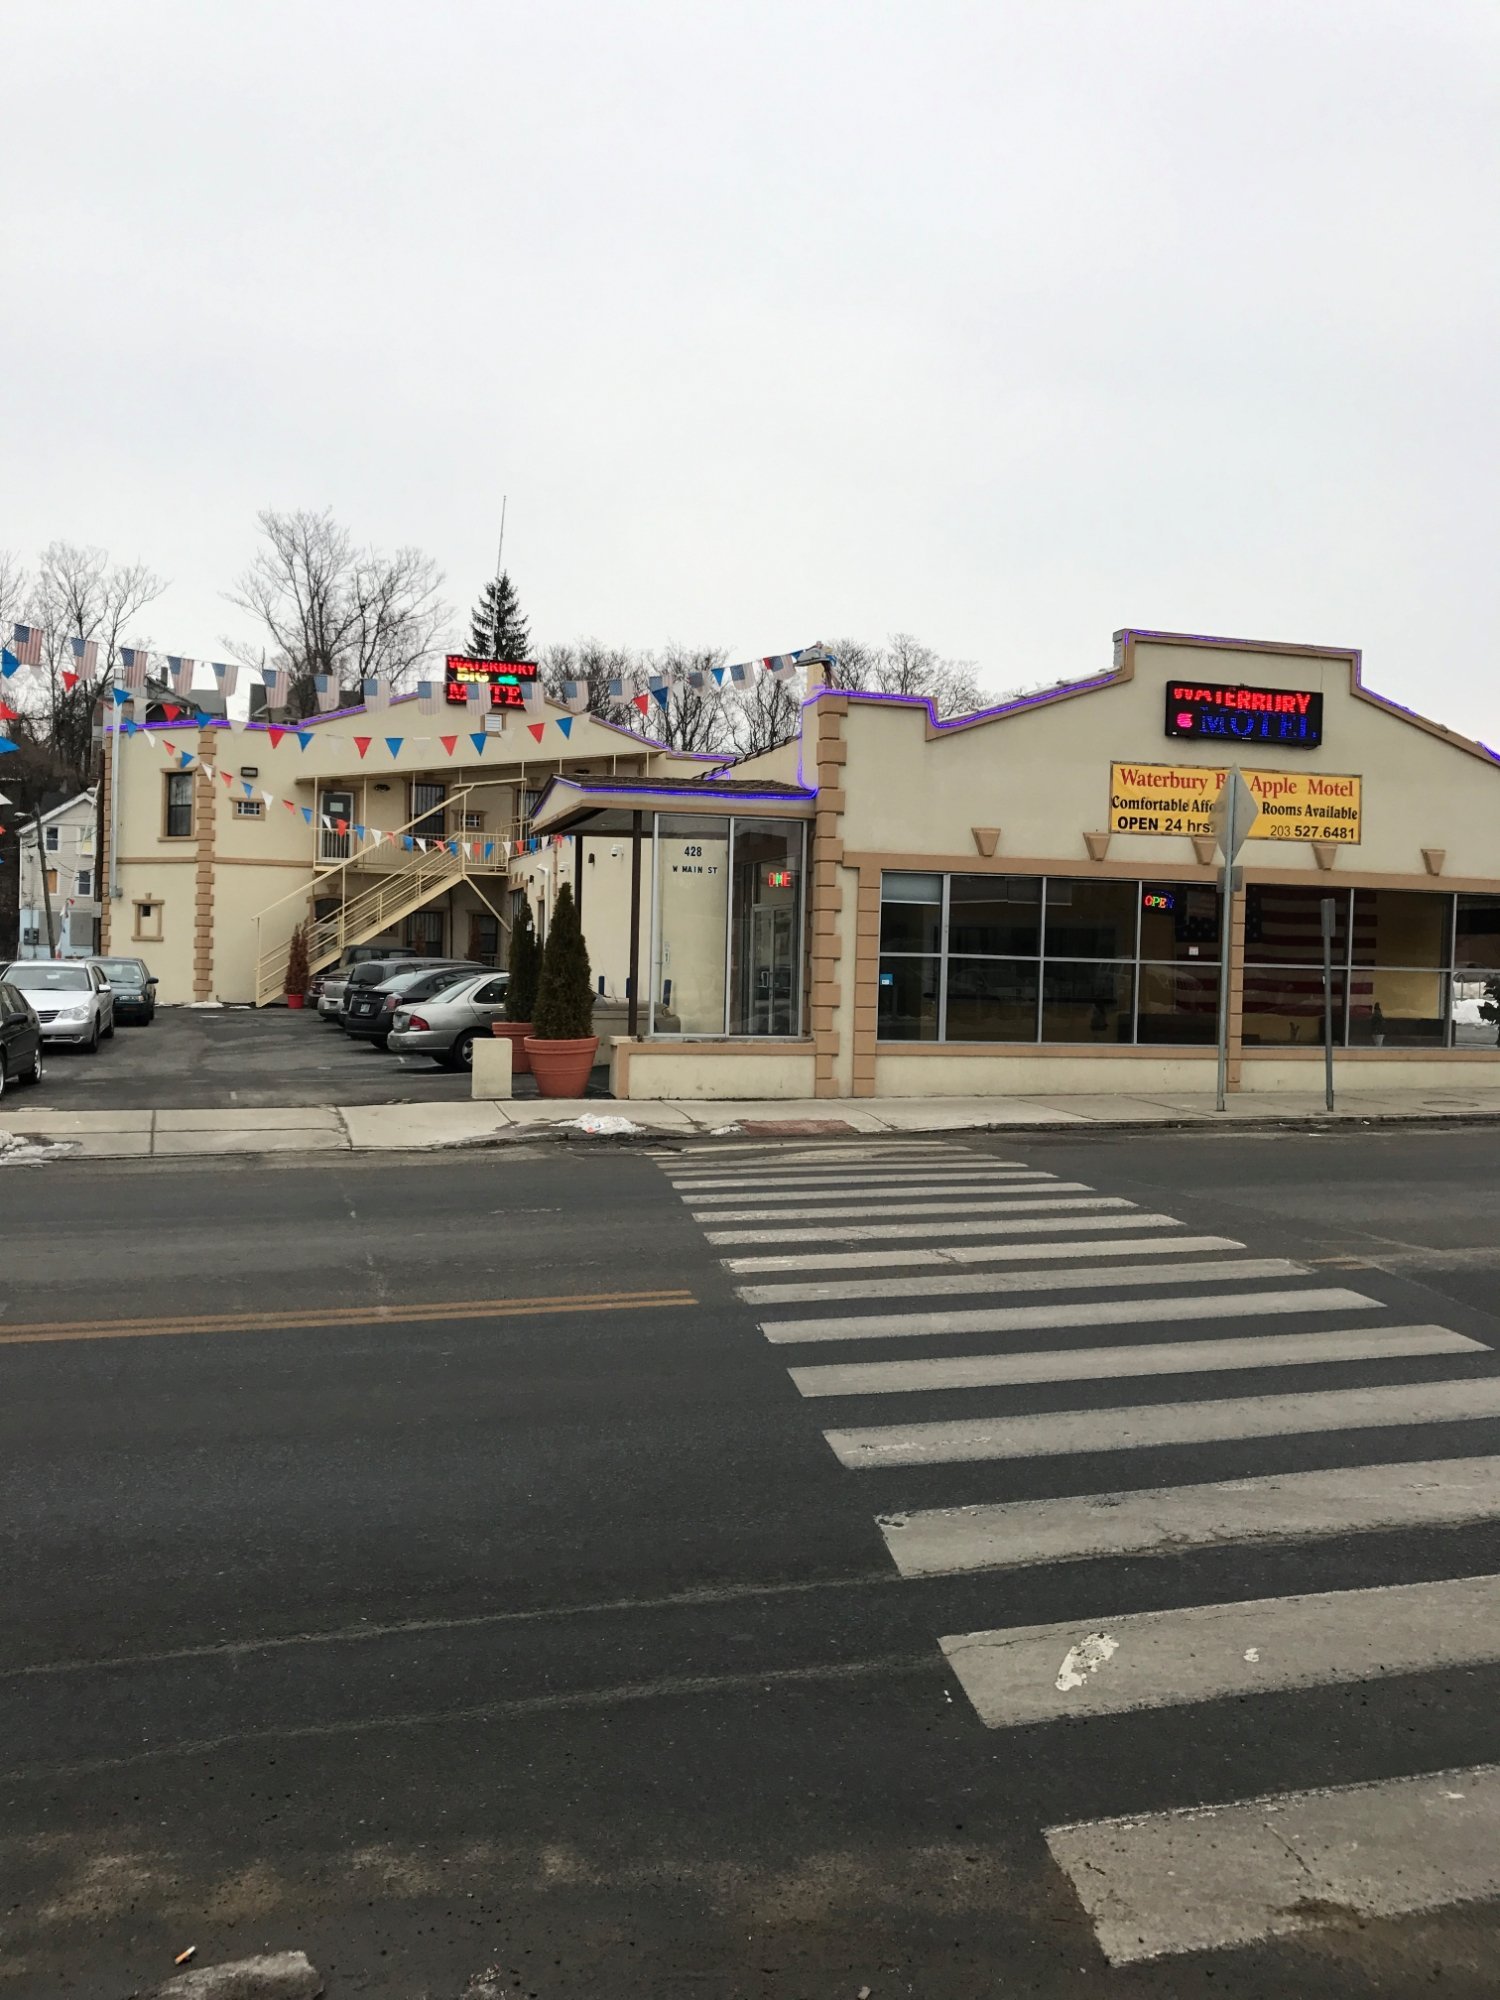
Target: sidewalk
401,1128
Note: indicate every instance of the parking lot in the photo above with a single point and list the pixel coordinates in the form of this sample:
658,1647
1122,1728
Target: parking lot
209,1059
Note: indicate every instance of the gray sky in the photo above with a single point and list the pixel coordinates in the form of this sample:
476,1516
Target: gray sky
1005,324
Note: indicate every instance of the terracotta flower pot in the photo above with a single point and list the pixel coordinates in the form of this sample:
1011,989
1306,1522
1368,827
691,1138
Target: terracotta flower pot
561,1069
295,1000
515,1032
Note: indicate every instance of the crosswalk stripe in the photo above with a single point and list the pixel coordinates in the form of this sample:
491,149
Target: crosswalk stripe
860,1176
1085,1312
823,1149
1206,1877
1056,1433
903,1188
976,1253
1097,1364
1158,1659
1059,1277
1061,1195
858,1232
818,1199
1285,1507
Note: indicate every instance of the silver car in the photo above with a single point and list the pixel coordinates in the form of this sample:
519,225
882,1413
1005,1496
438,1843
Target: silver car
444,1027
71,997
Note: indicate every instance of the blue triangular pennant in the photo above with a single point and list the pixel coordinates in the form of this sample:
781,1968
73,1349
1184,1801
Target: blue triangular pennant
121,697
6,746
307,814
565,724
664,696
9,664
478,739
184,758
393,744
304,737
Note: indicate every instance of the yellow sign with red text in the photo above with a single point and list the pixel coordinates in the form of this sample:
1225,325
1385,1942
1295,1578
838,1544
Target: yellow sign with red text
1180,798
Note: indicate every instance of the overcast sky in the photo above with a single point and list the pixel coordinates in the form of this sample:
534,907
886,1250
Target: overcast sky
1004,324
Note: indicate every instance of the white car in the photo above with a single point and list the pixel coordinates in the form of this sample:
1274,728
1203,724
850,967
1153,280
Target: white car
71,998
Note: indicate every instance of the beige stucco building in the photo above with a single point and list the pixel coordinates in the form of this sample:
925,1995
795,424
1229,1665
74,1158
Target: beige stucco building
1022,900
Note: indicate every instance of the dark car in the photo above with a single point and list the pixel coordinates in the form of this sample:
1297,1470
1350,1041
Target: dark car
133,985
376,971
20,1038
369,1010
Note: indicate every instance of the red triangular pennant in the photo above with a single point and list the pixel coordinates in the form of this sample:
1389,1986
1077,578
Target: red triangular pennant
642,702
227,776
170,748
290,804
536,729
69,680
170,710
449,743
362,743
275,735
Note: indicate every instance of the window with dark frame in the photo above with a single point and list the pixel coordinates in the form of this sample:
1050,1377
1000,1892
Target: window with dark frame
1065,959
179,805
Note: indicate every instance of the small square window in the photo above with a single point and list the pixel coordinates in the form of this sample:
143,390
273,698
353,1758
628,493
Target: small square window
147,922
249,809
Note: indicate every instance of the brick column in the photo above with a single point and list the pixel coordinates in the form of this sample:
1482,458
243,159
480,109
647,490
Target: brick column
205,810
866,978
827,900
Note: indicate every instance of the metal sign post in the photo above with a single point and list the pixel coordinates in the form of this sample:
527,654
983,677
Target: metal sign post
1329,911
1234,815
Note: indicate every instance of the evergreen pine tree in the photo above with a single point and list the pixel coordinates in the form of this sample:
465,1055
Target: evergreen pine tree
524,966
565,996
497,630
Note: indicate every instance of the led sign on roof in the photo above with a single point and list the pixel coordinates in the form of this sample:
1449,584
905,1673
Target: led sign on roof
504,679
1290,717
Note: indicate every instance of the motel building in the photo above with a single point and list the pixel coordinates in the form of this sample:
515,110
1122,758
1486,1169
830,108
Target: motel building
1024,900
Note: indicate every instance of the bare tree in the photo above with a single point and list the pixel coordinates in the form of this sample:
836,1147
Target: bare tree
77,593
14,591
331,608
597,666
764,716
906,666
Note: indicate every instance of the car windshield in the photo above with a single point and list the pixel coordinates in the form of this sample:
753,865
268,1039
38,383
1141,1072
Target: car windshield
121,971
400,982
39,976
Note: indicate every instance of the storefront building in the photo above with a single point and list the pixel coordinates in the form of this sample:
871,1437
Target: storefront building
1027,900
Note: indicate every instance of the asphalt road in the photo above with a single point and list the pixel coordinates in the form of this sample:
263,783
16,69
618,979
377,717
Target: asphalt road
446,1572
233,1058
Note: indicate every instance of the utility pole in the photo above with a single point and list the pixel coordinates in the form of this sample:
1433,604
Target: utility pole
1234,815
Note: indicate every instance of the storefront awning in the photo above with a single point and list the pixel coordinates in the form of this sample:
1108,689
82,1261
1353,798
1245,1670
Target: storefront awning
584,805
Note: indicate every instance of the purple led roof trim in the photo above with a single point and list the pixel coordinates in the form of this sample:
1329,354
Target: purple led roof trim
702,790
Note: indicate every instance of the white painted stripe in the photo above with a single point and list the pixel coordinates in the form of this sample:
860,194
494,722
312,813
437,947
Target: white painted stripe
1097,1364
1060,1278
990,1205
987,1201
1058,1432
1162,1658
857,1232
1086,1312
727,1189
1286,1507
984,1253
1213,1876
813,1198
817,1149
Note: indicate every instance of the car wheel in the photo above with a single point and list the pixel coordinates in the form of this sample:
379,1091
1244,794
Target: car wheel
35,1073
92,1044
2,1074
461,1055
109,1031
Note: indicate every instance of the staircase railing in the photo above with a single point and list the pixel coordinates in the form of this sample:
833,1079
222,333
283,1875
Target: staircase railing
415,880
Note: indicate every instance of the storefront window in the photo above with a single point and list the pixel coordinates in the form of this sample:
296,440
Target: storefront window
1284,1005
1476,937
1013,958
727,939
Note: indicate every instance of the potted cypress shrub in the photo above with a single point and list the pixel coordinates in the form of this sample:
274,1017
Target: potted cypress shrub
294,985
561,1045
520,995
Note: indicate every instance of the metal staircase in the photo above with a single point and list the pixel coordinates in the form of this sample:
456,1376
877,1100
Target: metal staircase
404,883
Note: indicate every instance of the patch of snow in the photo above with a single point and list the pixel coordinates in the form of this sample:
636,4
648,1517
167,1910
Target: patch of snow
16,1151
1085,1660
201,1006
601,1127
723,1131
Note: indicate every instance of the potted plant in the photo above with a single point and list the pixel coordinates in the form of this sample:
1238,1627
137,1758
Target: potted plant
297,972
520,995
561,1046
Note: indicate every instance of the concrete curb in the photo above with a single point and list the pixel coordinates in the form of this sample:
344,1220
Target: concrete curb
282,1975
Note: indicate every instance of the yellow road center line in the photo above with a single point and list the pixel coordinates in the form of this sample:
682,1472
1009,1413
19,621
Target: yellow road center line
335,1316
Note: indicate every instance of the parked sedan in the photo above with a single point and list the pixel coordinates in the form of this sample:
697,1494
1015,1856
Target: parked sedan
375,972
444,1027
71,996
370,1010
133,985
335,978
20,1038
